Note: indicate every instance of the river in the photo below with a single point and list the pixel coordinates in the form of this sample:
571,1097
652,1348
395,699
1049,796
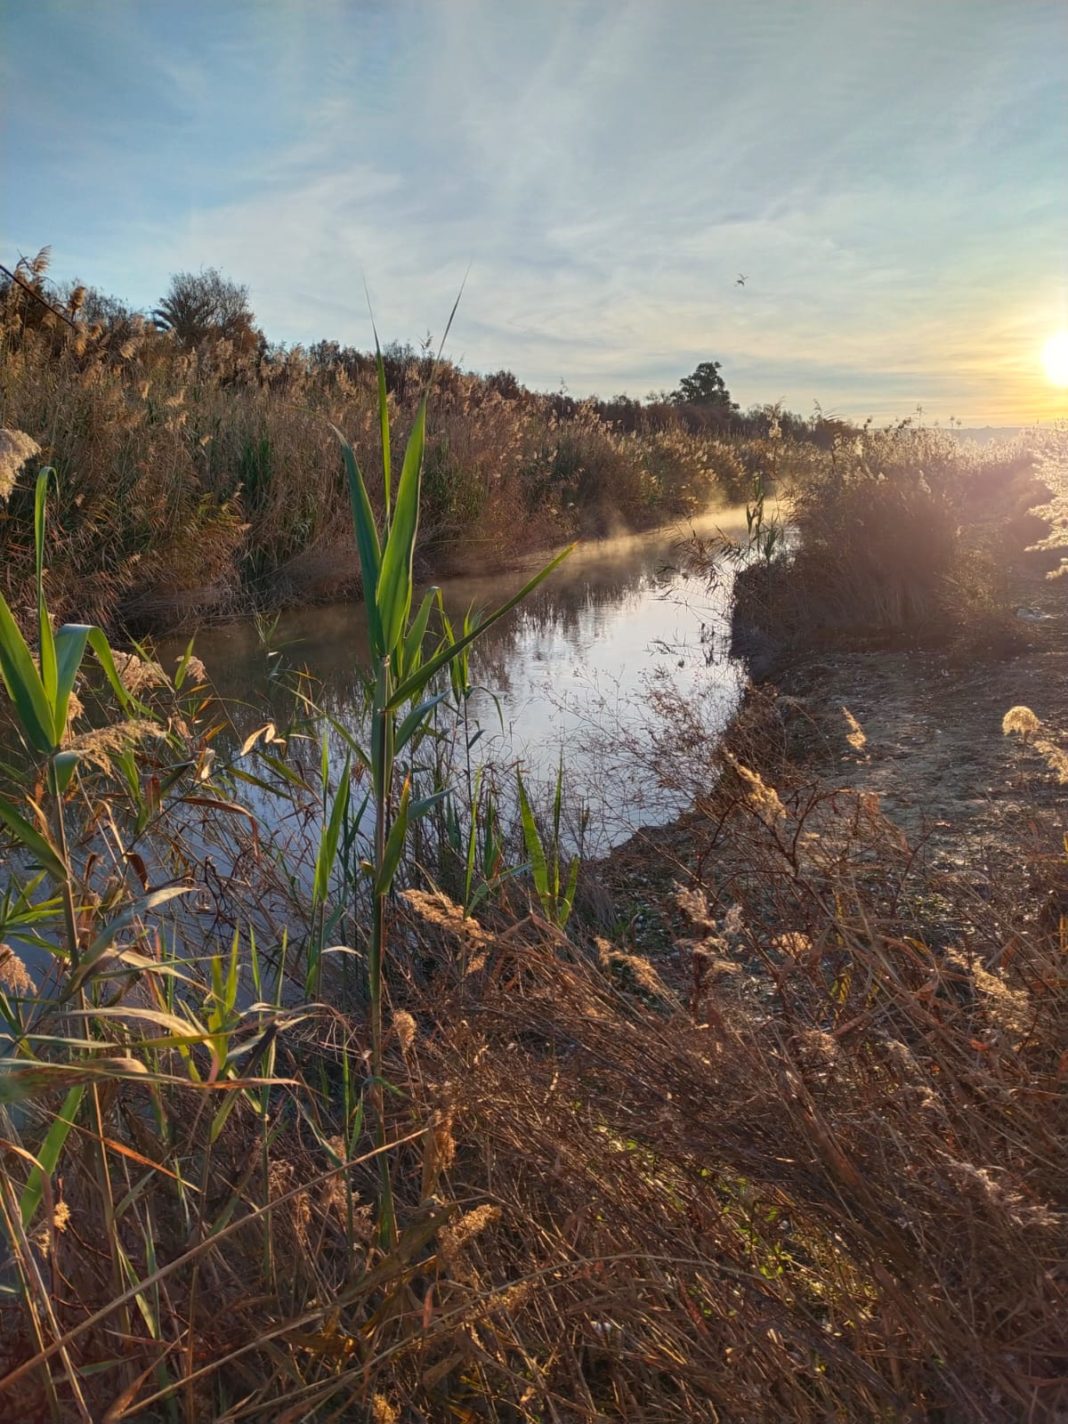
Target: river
583,673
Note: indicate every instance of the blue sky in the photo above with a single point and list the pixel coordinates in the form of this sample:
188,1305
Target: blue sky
892,177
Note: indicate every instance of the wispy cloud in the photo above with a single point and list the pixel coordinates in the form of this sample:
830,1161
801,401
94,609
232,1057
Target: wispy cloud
889,177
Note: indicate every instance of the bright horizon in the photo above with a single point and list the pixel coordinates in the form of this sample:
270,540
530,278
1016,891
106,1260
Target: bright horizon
889,180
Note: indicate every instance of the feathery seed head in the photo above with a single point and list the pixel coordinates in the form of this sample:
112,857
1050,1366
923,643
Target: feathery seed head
763,799
13,973
16,447
405,1028
1020,720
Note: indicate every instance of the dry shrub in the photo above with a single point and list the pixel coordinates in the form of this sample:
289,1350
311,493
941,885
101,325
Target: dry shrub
890,539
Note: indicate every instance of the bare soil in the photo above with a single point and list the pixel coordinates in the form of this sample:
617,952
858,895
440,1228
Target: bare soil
935,753
978,808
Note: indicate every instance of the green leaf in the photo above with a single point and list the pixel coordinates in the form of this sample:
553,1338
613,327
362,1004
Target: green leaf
367,542
65,765
102,651
231,972
395,579
460,667
44,626
70,649
287,773
251,780
183,665
413,685
361,757
328,840
416,717
564,911
218,1122
558,799
23,682
539,867
42,851
395,844
383,425
413,639
48,1156
418,809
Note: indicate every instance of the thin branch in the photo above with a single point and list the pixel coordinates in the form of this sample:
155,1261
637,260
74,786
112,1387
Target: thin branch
37,295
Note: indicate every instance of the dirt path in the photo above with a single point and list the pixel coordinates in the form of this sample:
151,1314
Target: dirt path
935,751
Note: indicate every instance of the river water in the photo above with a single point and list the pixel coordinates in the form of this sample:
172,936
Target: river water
583,673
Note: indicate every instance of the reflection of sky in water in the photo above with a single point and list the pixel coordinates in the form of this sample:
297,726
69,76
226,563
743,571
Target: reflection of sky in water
571,671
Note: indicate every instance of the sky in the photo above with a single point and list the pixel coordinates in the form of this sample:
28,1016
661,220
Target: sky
890,176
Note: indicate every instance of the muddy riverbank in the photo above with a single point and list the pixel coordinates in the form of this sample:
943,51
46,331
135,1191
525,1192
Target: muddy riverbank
914,735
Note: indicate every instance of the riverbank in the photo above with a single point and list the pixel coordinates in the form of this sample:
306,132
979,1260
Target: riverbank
920,731
912,714
875,887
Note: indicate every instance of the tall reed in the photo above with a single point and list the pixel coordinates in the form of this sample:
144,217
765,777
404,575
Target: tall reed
402,701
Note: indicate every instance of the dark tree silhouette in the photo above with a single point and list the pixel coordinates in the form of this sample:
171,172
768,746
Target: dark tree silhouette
706,388
201,306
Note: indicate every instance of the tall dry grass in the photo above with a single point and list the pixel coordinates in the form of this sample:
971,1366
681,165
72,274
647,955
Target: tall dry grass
204,481
804,1165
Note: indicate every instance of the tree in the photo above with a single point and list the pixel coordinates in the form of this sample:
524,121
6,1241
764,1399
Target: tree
705,388
200,306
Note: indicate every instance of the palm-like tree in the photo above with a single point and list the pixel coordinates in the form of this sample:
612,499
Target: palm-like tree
204,305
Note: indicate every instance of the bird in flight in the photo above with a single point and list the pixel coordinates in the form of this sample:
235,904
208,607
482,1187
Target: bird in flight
741,280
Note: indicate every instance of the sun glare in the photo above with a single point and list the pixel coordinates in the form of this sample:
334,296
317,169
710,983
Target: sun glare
1055,358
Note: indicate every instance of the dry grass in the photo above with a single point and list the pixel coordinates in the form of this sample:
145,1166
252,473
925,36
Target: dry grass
826,1210
808,1166
207,481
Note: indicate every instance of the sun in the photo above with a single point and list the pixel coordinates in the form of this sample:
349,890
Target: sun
1055,358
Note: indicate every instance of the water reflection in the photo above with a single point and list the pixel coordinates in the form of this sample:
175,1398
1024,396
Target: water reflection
572,674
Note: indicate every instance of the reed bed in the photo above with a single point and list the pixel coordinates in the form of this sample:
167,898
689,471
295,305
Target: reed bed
196,481
899,533
287,1133
807,1166
803,1164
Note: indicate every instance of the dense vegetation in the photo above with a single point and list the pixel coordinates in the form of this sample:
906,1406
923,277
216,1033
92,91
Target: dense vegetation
898,533
198,474
290,1133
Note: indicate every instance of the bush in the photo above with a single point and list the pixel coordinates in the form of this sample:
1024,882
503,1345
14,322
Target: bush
884,543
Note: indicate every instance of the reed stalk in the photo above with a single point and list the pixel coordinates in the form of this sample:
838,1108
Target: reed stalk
402,676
